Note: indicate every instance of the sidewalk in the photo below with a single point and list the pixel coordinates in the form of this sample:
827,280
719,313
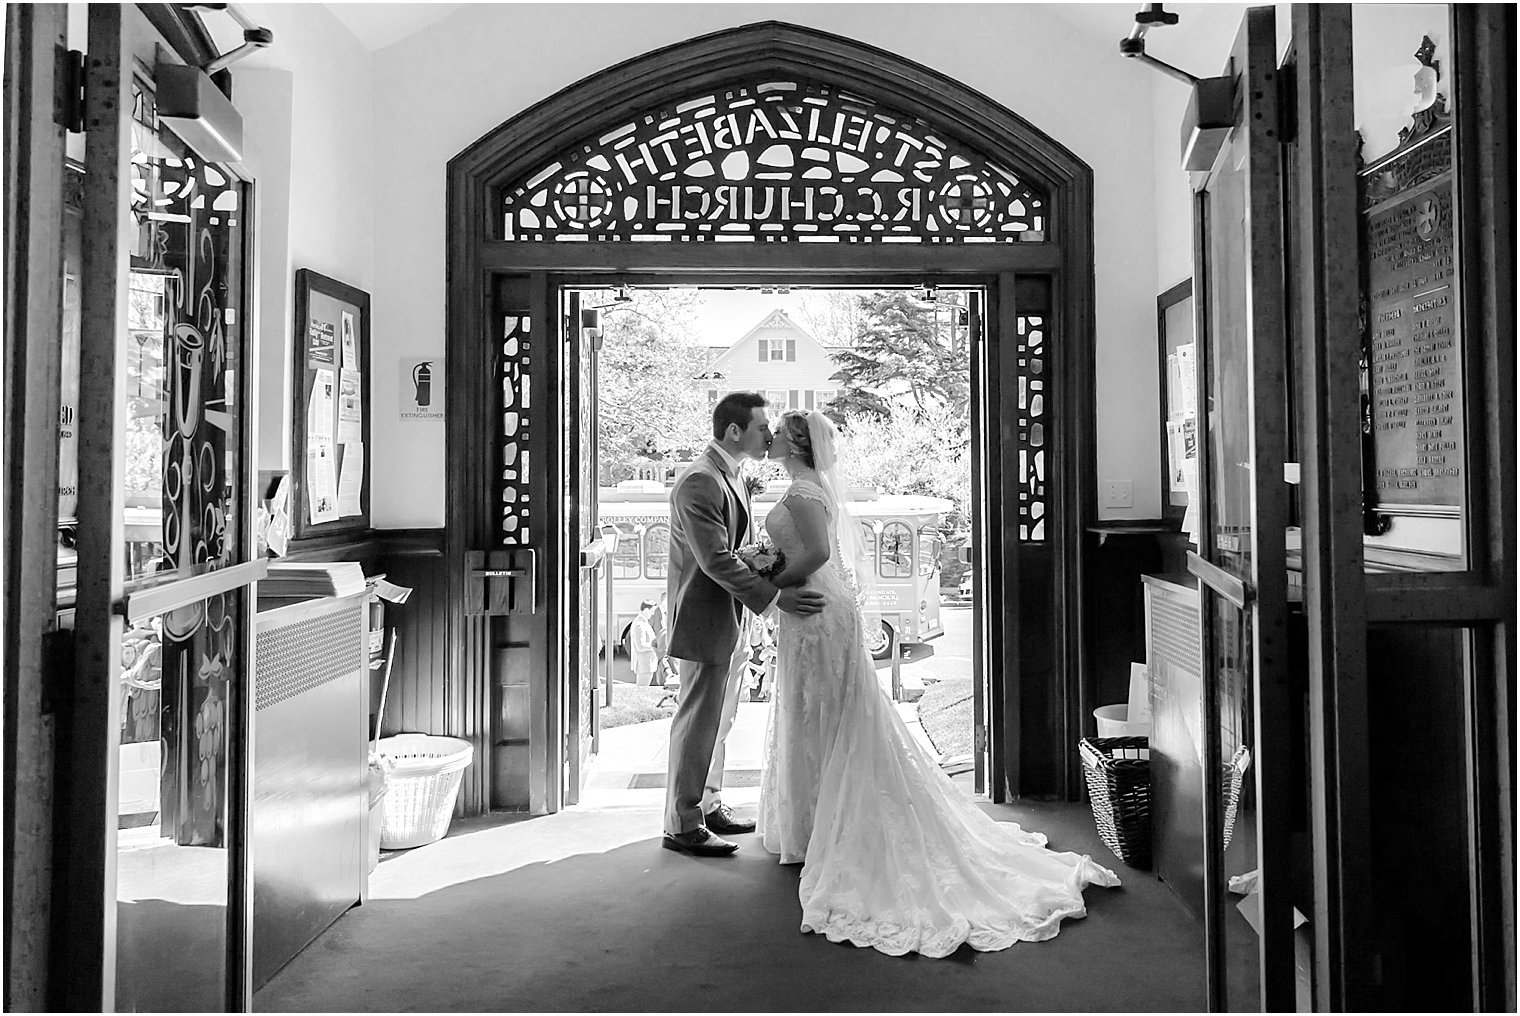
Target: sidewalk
638,754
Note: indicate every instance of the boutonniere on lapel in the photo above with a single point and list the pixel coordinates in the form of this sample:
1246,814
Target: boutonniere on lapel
753,484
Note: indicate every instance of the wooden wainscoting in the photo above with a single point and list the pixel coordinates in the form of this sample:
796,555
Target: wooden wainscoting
416,700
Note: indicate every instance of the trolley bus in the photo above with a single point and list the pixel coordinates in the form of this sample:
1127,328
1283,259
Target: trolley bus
901,533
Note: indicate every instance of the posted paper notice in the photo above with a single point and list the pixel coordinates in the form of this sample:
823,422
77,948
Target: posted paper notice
350,342
351,479
319,342
319,411
321,481
350,408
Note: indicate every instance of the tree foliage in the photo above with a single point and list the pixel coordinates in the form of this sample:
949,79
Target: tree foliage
927,456
908,355
647,398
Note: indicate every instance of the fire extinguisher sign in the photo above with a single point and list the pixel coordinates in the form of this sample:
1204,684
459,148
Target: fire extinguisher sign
422,389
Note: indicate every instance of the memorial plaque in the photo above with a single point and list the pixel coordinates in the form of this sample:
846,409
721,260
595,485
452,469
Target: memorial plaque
1414,338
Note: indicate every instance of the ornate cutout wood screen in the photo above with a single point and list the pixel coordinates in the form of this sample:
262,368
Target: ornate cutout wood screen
1031,428
774,161
516,519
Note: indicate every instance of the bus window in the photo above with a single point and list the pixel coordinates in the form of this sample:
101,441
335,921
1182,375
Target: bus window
626,563
657,551
896,558
929,546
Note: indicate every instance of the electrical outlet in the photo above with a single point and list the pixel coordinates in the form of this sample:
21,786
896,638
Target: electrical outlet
1118,494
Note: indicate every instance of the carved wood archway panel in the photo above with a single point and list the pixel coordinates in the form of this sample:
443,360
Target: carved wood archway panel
773,161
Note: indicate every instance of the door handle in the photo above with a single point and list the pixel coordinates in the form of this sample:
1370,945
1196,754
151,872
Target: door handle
594,553
1236,590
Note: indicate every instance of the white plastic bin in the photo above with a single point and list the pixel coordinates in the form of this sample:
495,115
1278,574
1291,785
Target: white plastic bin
419,797
1113,721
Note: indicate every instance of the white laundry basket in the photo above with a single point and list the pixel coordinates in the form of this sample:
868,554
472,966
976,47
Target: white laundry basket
419,798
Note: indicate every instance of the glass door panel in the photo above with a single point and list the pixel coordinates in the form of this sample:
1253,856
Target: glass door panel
1415,424
183,679
183,358
182,672
1241,566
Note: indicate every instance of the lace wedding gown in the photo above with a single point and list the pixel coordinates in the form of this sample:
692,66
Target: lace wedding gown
895,856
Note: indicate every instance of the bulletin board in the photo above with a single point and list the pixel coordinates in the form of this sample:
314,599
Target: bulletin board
1179,400
330,419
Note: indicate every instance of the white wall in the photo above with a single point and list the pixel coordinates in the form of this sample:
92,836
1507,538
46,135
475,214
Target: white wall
308,123
438,91
1200,44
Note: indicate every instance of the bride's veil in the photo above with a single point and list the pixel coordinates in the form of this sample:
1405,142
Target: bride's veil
853,553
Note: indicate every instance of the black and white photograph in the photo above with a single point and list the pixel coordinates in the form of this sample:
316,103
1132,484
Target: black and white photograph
863,507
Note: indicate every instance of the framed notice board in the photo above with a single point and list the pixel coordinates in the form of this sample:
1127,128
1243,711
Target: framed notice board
1179,399
330,460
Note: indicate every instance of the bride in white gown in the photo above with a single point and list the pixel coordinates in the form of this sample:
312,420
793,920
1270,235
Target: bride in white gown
894,855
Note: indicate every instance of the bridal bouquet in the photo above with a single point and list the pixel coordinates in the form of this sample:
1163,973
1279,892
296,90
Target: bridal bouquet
762,557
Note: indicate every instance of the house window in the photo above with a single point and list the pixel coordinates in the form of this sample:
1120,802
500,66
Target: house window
793,402
778,349
809,399
776,398
827,395
712,397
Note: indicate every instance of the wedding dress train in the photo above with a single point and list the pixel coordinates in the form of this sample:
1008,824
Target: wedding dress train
895,856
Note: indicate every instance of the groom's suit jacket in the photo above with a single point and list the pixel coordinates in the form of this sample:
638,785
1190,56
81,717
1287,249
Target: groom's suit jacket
708,586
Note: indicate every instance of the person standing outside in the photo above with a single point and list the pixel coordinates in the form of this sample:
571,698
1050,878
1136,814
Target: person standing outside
642,643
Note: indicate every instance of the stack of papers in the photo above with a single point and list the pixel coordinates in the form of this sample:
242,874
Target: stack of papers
305,579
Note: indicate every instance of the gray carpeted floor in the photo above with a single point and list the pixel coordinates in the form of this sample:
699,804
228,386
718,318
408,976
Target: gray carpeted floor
583,911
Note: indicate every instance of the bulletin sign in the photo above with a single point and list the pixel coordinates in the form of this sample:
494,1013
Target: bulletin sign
1413,333
330,460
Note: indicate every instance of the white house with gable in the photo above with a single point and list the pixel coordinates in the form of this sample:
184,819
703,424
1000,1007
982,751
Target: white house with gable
779,359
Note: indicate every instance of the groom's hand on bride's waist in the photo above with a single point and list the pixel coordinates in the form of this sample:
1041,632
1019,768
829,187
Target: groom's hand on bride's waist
796,600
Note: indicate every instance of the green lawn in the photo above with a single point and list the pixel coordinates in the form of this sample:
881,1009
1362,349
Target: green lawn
945,712
632,703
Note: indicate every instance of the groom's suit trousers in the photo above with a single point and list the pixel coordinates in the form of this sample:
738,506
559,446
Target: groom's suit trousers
704,716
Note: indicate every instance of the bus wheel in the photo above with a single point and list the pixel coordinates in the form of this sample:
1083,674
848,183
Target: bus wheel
881,645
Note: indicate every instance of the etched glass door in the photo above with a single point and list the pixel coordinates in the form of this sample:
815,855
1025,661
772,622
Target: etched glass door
155,797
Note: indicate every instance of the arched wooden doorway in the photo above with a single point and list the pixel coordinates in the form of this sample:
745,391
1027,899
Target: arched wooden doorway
761,153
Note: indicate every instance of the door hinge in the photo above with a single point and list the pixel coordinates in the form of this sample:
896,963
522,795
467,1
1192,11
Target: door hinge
979,738
1287,106
68,103
57,667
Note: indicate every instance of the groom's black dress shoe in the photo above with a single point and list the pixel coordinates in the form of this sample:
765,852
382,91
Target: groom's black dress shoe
721,820
700,843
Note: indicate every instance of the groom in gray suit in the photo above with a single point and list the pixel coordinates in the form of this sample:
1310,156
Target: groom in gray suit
709,589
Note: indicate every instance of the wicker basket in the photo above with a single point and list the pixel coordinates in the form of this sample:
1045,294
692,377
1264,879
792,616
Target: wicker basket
1119,789
1234,776
419,798
1118,771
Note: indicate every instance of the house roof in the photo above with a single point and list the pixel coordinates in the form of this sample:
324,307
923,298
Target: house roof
776,320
